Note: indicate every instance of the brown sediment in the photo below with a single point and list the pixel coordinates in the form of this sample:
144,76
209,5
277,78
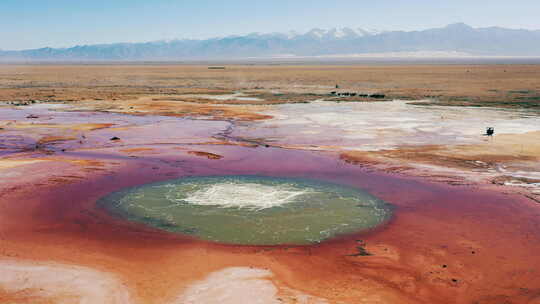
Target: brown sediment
24,297
439,156
86,163
444,244
206,154
11,163
7,163
303,99
75,127
131,150
230,143
51,139
495,85
504,149
147,106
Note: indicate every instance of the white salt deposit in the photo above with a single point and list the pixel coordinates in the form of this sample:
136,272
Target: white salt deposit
238,285
63,283
372,126
67,284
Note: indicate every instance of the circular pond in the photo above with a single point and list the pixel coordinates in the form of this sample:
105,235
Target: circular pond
251,210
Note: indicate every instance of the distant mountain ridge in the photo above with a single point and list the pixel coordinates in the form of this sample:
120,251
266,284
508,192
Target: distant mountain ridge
458,38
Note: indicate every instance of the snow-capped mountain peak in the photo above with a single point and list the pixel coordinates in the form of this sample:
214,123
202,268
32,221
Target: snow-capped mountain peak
457,38
316,33
336,33
292,34
368,32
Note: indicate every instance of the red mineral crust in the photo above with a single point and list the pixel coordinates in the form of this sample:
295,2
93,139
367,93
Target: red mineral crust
444,244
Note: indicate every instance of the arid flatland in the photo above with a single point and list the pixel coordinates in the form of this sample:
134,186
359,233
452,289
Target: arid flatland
465,225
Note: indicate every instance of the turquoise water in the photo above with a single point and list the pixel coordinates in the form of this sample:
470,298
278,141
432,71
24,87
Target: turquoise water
251,210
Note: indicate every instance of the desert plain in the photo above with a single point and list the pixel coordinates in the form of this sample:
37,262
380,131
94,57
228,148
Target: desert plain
466,206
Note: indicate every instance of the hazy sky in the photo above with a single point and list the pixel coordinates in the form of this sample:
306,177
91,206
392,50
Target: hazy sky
60,23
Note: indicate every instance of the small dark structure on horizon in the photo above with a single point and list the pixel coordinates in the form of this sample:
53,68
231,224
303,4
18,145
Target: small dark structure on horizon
490,131
353,94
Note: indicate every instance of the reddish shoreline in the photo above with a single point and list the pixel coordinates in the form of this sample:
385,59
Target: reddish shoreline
445,244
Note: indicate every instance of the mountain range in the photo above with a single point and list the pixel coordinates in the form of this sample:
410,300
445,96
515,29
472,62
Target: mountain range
456,38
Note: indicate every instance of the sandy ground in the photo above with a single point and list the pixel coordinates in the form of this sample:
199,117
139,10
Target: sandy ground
466,224
458,83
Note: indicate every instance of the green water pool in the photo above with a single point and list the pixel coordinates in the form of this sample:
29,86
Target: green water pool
251,210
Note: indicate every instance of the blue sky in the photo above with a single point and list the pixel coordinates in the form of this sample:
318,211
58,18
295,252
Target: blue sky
60,23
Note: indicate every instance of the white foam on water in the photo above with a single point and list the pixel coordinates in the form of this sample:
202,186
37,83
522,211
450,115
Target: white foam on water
245,195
